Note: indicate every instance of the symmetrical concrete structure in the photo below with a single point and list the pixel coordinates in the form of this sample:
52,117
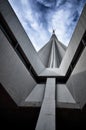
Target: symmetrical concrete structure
55,77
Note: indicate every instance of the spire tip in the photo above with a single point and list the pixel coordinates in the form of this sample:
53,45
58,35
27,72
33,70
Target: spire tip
53,31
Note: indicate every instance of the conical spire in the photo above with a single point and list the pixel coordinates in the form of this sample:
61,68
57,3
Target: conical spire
52,53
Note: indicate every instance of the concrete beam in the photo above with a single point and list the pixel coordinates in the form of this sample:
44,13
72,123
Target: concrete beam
46,120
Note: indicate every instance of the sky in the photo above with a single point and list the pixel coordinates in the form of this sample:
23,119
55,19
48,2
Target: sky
40,17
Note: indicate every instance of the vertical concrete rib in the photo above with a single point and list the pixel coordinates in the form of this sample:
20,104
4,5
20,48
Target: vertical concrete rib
54,59
51,58
46,120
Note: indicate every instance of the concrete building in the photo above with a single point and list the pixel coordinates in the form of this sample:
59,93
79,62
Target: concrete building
43,90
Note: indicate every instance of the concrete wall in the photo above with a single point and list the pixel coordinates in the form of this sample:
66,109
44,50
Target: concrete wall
36,96
44,54
77,81
21,35
61,49
63,94
13,74
74,42
64,98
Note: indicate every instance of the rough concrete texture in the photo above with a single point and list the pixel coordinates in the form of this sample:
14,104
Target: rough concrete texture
77,81
13,74
63,94
44,53
35,97
46,120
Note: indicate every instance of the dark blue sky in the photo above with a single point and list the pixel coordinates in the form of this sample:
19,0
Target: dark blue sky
40,17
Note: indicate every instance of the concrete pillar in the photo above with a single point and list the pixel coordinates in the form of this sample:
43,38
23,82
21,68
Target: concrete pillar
46,120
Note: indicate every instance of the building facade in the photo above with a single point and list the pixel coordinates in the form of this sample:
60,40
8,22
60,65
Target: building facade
52,79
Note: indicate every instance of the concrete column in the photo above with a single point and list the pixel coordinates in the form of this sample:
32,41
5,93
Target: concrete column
46,120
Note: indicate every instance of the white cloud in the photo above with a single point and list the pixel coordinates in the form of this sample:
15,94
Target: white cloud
24,2
60,20
39,30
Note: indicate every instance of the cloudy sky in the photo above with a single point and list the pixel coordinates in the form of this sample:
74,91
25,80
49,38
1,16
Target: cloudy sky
40,17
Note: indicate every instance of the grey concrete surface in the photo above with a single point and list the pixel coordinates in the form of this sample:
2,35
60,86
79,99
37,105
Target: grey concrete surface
51,72
52,49
36,96
54,59
77,81
13,74
46,120
44,53
61,48
68,105
63,94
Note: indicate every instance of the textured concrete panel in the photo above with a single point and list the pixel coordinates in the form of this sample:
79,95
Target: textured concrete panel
21,35
61,48
36,96
63,94
77,81
13,74
44,53
64,98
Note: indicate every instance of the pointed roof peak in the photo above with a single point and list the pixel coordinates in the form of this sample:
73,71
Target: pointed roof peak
53,34
53,31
